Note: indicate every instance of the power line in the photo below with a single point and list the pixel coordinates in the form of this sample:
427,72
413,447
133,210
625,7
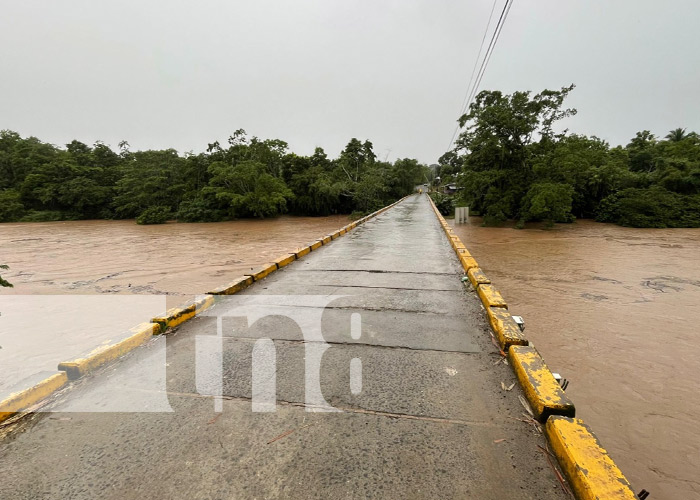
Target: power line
478,56
492,46
471,78
471,90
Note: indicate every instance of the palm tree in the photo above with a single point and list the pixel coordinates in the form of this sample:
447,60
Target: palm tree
676,135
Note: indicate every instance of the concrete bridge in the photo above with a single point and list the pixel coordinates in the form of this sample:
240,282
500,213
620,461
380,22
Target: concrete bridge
415,399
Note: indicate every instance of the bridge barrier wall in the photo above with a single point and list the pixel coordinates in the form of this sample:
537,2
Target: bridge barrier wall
30,392
589,468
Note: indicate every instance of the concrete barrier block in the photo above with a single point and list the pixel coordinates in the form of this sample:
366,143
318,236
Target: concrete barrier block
490,296
108,351
30,391
462,252
300,252
541,389
263,271
477,277
468,262
178,315
235,286
591,471
505,328
285,260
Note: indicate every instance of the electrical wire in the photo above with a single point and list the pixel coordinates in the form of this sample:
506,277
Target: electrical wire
471,90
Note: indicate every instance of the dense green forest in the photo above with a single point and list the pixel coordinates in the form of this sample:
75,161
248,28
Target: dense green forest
511,165
248,177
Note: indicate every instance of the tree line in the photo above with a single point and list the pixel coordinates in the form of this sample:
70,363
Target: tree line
511,164
247,177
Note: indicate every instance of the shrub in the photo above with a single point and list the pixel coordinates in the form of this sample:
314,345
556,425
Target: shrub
154,215
198,210
444,203
11,208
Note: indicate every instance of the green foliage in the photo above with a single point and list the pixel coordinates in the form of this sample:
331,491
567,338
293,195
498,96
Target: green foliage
11,207
444,203
248,177
47,216
154,214
512,165
3,282
548,201
247,189
200,210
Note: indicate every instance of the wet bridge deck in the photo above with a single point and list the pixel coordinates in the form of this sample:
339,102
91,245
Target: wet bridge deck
430,419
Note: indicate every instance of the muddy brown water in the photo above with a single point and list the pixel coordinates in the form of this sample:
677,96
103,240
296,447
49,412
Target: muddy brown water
617,312
78,284
170,259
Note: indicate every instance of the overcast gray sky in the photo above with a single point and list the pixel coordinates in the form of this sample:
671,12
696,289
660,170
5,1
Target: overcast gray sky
317,72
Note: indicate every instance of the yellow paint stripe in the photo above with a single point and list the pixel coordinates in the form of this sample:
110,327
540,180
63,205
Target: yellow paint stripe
541,389
490,296
506,329
592,474
234,287
105,353
24,398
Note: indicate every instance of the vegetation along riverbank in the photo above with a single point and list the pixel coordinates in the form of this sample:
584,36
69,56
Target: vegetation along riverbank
511,162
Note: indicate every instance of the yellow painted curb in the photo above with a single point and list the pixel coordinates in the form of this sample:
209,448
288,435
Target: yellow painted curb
468,262
490,296
285,260
263,271
108,351
342,231
591,472
46,383
334,236
506,329
541,389
300,252
462,251
235,286
316,245
477,277
326,240
178,315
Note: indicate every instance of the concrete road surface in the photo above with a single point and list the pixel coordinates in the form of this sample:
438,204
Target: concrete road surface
426,418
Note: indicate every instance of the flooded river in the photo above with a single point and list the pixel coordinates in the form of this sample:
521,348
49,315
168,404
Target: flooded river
90,257
113,275
617,312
